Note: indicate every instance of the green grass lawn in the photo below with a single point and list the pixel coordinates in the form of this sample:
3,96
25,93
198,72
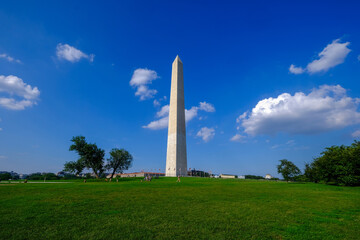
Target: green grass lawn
193,209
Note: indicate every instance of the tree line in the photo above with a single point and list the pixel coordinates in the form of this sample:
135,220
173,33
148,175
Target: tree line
92,157
338,165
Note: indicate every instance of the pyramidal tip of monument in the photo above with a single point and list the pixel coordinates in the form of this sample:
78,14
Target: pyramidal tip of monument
177,58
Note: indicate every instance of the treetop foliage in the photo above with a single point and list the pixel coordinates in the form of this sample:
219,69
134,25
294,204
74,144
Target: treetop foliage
288,170
337,164
119,160
91,156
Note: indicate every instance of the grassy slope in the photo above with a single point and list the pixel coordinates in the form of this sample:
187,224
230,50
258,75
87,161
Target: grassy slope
193,209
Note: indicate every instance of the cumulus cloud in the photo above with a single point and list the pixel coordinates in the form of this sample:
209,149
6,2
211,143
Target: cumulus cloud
144,92
190,114
143,76
207,107
15,86
158,124
296,70
156,103
164,111
13,104
242,116
206,133
140,79
237,138
332,55
323,109
71,54
9,58
356,134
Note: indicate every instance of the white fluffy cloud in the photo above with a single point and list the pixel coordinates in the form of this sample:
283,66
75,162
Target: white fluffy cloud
158,124
143,76
356,134
206,133
164,111
71,54
296,70
190,114
332,55
242,116
237,138
156,103
15,86
323,109
140,79
207,107
144,92
13,104
9,58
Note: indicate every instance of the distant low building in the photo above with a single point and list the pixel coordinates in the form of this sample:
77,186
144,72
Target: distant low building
241,177
227,176
23,176
137,174
268,176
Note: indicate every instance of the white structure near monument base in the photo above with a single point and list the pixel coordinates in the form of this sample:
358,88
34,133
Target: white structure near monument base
176,159
227,176
268,176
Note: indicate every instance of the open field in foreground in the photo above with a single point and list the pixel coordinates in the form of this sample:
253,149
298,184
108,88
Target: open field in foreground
193,209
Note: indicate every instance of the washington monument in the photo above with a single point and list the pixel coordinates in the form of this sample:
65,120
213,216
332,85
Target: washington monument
176,160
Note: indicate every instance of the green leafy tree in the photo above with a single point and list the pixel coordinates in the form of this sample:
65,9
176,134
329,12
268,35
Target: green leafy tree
119,160
50,176
90,155
288,170
337,164
253,177
36,176
5,176
301,178
75,167
312,173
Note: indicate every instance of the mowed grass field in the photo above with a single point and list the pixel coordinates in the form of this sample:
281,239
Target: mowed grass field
196,208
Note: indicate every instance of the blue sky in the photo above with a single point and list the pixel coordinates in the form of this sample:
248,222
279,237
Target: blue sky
263,81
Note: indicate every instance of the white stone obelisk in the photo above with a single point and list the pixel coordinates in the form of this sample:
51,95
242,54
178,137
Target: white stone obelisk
176,160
